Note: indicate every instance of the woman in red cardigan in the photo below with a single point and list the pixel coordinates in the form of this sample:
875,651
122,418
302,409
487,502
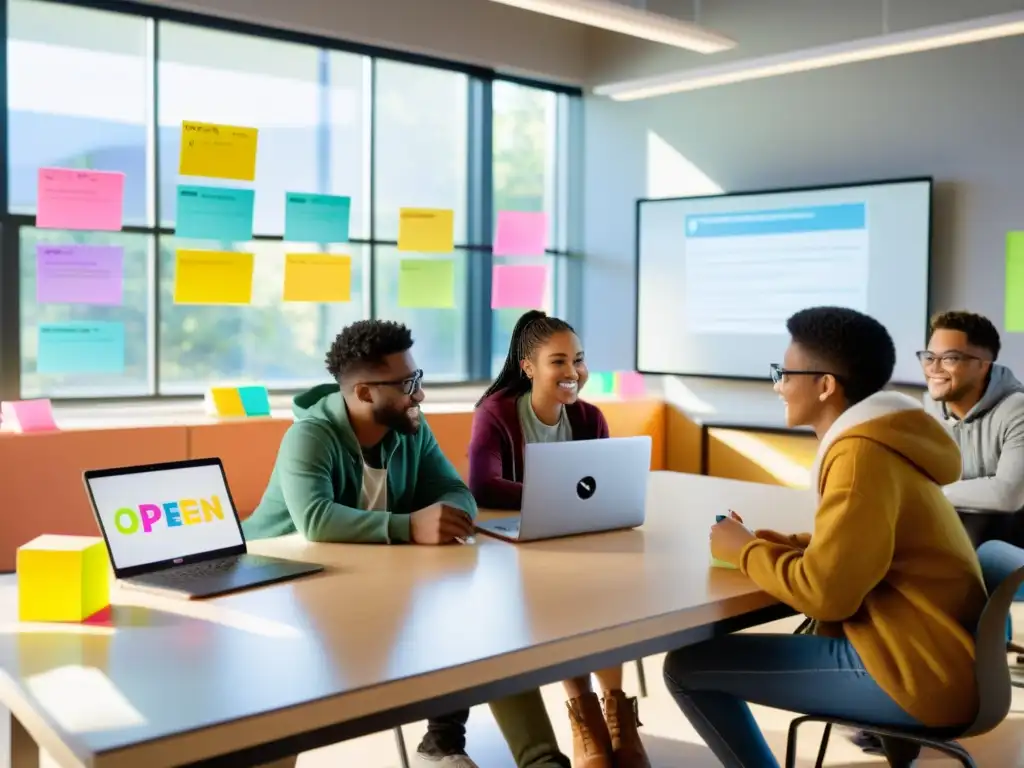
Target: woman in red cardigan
535,399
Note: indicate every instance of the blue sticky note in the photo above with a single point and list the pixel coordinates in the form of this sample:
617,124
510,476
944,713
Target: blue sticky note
215,213
316,218
255,400
81,347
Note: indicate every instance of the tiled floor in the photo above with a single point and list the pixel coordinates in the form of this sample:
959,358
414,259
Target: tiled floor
669,738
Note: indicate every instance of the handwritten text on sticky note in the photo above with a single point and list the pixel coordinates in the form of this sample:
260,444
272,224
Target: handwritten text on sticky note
218,151
426,284
79,274
70,199
426,230
317,277
316,218
81,347
521,234
214,213
213,277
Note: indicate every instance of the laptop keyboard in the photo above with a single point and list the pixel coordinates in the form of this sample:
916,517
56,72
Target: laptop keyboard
187,574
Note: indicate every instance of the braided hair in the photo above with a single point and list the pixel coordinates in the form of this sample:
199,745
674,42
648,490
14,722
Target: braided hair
531,332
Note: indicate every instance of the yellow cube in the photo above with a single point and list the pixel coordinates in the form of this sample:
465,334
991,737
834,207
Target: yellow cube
62,578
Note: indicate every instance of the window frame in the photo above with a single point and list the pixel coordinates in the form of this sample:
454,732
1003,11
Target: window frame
479,198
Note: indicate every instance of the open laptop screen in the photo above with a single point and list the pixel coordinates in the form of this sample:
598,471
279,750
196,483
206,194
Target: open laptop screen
159,515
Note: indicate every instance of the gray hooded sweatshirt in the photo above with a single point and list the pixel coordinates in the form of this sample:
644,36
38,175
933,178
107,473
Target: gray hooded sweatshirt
991,440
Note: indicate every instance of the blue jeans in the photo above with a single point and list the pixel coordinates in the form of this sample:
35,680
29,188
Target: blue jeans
712,681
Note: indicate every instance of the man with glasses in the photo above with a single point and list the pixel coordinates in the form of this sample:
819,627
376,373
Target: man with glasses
360,465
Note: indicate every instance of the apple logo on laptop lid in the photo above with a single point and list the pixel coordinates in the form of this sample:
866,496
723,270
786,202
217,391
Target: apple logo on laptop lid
585,488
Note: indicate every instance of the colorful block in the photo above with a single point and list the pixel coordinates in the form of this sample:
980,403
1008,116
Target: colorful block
62,578
224,402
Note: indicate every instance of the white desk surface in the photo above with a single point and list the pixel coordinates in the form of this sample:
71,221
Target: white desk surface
170,682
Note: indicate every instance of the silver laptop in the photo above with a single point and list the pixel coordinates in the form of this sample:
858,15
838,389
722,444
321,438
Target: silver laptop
172,528
582,486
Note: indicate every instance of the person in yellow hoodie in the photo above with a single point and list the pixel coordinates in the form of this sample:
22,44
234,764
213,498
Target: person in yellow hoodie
889,574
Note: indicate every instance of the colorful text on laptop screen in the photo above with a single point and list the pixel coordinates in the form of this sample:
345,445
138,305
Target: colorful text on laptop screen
166,514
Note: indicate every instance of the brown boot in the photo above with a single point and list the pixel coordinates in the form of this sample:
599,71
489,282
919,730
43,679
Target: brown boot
591,745
623,719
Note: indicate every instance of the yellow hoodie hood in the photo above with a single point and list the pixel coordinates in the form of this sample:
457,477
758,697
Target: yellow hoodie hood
900,424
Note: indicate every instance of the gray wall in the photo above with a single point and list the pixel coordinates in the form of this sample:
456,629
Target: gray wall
957,115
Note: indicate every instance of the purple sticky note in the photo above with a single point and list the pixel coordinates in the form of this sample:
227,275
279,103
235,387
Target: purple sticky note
519,287
73,199
79,274
630,384
28,416
521,234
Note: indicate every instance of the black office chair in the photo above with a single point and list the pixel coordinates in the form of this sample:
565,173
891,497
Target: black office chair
1002,566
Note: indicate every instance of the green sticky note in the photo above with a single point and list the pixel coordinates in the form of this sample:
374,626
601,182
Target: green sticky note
601,383
1014,322
716,563
426,284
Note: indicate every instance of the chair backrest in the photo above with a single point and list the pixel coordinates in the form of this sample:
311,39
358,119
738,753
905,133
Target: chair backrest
1002,566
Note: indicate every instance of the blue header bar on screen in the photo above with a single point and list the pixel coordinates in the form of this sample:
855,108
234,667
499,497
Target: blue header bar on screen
778,221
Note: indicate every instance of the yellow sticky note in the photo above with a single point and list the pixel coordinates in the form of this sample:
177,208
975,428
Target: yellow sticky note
218,151
426,284
213,277
317,277
62,578
227,401
426,230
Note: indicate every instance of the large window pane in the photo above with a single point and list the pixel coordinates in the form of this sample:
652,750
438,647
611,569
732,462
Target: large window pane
420,154
219,77
78,83
132,313
440,334
281,345
524,151
348,146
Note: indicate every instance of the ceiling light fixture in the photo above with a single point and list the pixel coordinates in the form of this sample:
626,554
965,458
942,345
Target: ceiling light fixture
627,20
865,49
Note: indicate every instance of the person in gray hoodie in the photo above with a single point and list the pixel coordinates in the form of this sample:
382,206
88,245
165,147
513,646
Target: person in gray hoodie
981,403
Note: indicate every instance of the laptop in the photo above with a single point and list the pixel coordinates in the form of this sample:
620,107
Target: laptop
583,486
173,528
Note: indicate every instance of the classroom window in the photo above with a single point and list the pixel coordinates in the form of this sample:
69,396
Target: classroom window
108,90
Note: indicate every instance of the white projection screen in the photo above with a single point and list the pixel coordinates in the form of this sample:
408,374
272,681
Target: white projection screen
718,276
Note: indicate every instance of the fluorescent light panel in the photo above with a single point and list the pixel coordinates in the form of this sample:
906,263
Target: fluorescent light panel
627,20
865,49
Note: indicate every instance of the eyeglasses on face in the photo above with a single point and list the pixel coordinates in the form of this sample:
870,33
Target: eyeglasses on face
948,360
778,372
408,385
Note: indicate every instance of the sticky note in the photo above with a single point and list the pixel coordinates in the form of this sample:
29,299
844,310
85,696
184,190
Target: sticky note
62,578
601,383
317,277
520,233
70,199
226,401
426,284
81,347
212,277
218,151
716,563
1014,320
316,218
521,287
630,384
27,416
427,230
79,274
255,400
214,213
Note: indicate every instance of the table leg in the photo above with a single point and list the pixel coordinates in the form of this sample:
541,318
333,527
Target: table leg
24,750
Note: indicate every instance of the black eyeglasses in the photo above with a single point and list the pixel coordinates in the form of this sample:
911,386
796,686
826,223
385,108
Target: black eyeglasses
948,360
408,385
778,372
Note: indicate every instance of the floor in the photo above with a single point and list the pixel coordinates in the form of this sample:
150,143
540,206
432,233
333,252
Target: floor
669,739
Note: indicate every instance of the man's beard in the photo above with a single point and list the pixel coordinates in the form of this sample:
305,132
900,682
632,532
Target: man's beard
396,419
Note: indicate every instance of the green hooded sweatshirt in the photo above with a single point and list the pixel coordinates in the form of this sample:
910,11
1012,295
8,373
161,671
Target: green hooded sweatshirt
318,478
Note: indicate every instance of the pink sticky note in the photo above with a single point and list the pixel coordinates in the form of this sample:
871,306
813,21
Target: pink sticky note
28,416
519,287
521,234
630,384
79,274
70,199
